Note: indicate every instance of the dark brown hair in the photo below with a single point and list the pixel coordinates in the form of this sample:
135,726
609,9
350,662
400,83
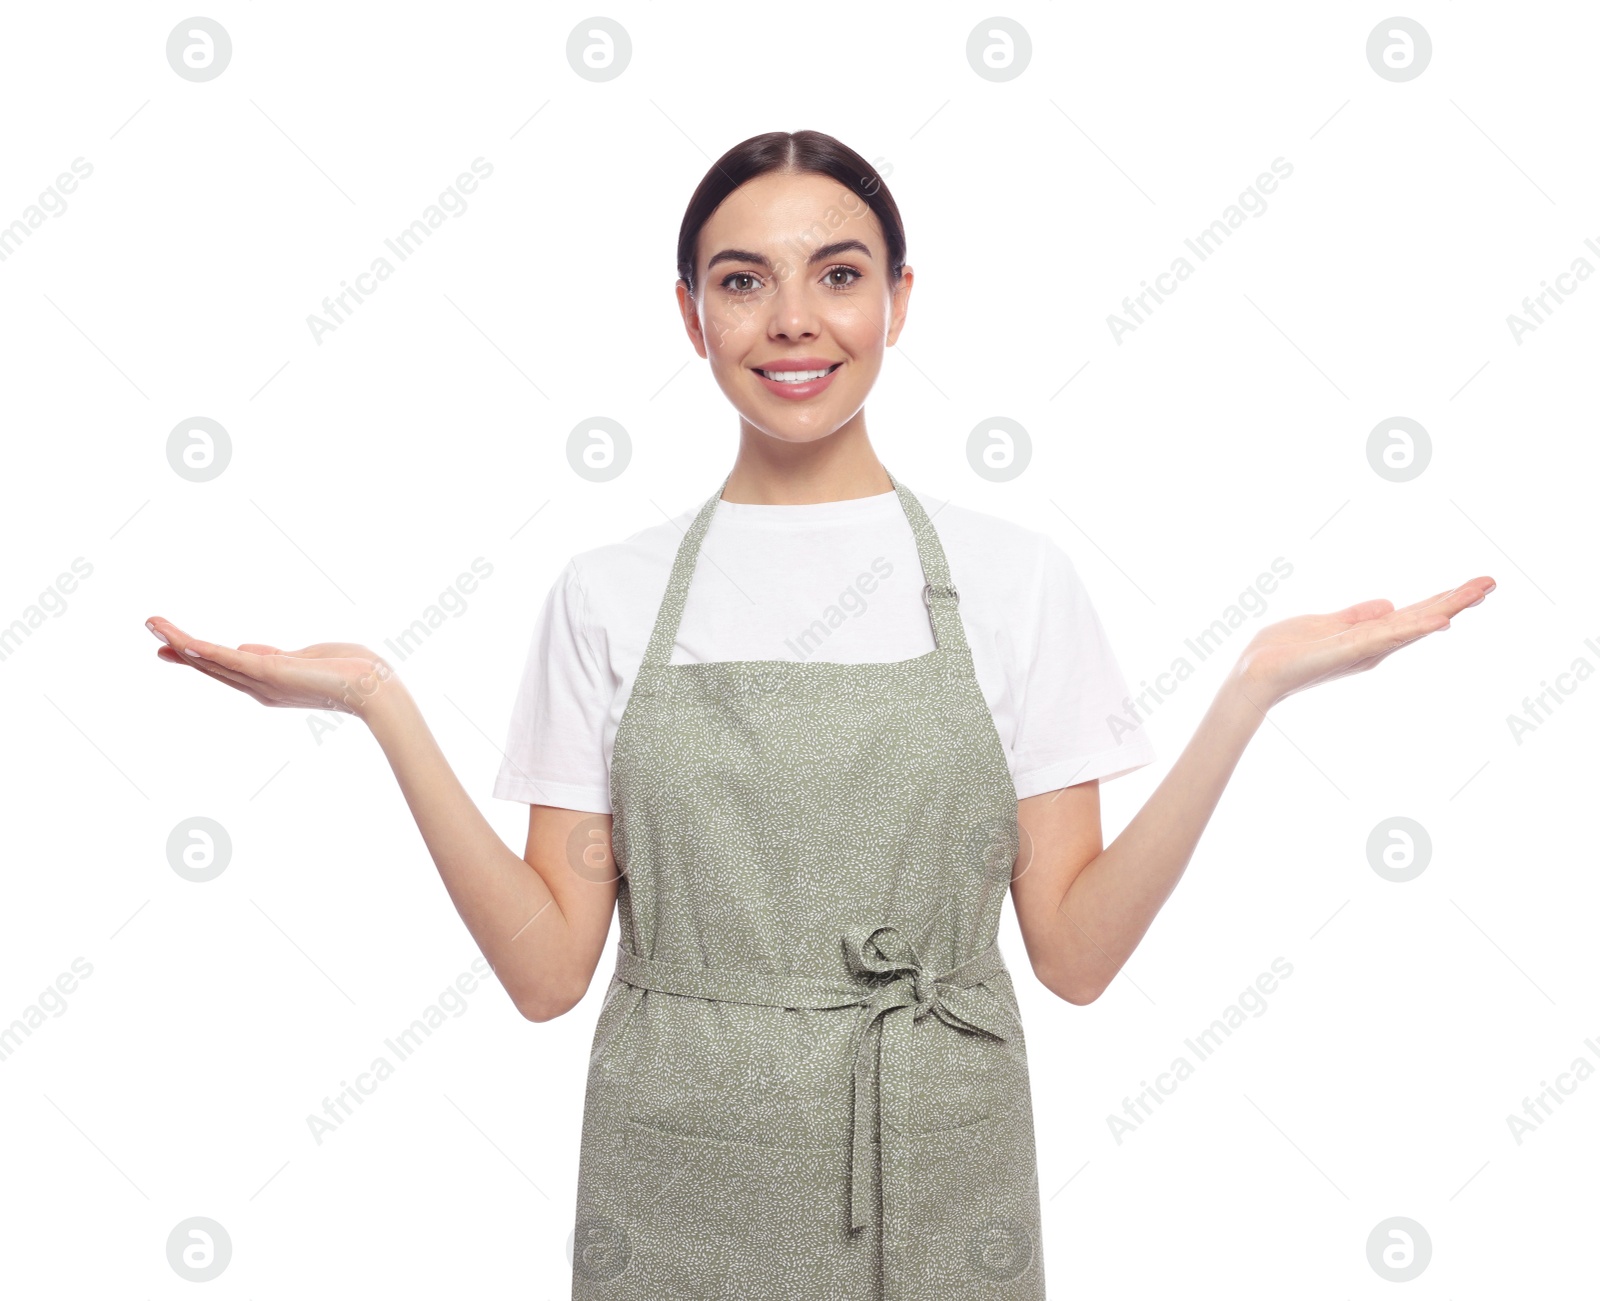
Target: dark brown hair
791,151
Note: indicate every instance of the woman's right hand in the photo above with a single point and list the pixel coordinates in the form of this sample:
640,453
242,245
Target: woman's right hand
330,675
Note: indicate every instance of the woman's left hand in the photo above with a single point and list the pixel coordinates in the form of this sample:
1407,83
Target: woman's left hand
1297,653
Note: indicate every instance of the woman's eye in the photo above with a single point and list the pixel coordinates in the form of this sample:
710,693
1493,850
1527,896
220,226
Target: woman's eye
740,283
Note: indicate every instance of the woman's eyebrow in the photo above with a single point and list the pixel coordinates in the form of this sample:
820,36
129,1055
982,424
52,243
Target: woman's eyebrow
826,251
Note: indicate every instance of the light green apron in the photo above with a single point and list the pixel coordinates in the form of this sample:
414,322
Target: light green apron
809,1078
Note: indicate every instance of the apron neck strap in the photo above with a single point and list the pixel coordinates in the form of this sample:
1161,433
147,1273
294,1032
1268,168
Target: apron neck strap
938,592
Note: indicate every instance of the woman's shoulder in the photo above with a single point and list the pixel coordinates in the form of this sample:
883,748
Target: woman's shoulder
632,565
1009,555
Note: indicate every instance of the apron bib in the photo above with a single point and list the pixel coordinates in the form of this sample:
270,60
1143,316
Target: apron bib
809,1078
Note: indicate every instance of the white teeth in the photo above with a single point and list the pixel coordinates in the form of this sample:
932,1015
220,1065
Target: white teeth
795,376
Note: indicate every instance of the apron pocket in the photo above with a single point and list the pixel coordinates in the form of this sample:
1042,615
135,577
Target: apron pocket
966,1208
731,1218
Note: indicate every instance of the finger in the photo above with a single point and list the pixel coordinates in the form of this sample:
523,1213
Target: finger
257,648
1471,592
1404,631
1371,638
231,678
1402,628
1453,599
1362,648
1424,603
1436,612
169,632
240,686
221,675
249,686
165,630
214,670
246,664
1364,610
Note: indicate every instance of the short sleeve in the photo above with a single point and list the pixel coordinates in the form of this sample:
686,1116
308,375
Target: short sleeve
1074,722
555,749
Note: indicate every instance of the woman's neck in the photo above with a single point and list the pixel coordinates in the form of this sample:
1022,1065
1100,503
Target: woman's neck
772,472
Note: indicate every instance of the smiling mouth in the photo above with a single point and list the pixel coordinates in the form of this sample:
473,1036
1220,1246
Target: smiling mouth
796,376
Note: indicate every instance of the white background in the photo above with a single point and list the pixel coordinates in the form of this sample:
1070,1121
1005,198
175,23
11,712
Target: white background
429,429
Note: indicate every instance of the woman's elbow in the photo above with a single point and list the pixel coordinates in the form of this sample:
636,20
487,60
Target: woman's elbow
547,1005
1076,992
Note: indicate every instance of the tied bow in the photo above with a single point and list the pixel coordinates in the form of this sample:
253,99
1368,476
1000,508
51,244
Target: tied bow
885,957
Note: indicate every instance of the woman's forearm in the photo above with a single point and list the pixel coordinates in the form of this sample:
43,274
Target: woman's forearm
505,903
1106,909
1110,904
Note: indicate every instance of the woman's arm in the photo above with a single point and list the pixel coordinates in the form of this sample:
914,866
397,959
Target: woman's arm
1083,909
541,920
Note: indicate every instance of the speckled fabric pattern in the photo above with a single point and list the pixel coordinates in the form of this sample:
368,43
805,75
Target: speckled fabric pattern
809,1080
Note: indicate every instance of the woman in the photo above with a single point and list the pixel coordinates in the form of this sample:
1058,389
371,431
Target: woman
809,1076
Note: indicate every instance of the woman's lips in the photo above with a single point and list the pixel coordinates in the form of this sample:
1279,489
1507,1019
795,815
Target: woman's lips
798,392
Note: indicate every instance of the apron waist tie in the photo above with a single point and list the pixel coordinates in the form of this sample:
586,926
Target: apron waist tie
891,977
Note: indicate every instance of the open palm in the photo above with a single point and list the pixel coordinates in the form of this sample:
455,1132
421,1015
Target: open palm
1297,653
330,675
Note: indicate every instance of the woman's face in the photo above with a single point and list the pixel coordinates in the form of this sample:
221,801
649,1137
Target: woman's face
792,274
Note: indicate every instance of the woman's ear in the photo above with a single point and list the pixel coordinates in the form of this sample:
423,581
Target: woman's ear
899,297
690,312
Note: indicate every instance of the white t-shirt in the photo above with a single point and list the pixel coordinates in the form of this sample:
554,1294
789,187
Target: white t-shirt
838,581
